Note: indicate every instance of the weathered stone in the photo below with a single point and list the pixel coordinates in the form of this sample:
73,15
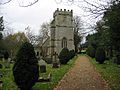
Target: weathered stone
114,59
55,65
42,65
62,31
42,68
55,60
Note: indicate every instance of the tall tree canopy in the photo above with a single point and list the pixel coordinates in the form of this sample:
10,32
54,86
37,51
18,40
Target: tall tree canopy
13,42
1,35
112,20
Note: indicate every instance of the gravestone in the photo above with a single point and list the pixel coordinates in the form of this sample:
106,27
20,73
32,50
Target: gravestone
42,65
114,59
55,60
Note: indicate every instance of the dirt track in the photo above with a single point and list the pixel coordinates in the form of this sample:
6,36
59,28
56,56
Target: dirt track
82,76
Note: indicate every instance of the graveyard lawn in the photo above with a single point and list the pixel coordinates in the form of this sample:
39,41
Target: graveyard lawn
7,77
57,74
110,72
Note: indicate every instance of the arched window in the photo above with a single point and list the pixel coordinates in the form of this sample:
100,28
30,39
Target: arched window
64,42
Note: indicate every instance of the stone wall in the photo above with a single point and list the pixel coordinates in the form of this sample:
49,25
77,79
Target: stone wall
62,26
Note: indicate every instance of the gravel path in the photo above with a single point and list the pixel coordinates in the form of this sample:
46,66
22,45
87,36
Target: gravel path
82,76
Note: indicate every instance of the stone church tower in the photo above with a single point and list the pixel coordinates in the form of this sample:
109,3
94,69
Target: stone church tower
61,33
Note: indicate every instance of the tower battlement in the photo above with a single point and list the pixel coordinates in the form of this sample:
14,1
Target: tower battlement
63,12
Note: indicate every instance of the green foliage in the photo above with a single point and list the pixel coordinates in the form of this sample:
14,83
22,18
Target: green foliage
13,42
64,56
112,20
71,54
57,74
101,38
1,36
6,55
91,51
93,40
26,70
118,59
100,55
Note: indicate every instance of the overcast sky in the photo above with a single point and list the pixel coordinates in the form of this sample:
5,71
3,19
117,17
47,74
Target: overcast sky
21,17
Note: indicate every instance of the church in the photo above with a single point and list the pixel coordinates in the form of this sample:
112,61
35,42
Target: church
61,34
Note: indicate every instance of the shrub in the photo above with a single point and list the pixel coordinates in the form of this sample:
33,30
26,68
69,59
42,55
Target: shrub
26,70
100,55
71,54
91,51
118,59
6,55
1,66
64,56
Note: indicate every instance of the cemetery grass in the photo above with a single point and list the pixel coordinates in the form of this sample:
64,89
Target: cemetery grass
7,78
110,72
57,74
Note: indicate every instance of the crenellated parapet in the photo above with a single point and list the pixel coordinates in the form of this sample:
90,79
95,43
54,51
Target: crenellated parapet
63,12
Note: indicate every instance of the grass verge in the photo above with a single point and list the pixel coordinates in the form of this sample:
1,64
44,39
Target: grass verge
110,72
57,74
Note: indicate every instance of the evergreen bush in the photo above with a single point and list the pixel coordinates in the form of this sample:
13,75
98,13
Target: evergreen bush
71,54
64,56
100,55
26,70
91,51
6,55
118,59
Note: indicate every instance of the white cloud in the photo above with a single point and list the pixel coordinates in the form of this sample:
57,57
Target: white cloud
35,15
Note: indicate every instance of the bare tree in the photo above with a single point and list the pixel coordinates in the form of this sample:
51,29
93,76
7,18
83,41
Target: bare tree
2,2
22,3
44,30
95,7
33,39
7,31
77,31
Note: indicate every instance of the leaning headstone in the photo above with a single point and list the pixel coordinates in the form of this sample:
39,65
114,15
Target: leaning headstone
42,65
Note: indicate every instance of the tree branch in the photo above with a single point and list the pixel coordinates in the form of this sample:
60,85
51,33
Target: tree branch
5,2
35,1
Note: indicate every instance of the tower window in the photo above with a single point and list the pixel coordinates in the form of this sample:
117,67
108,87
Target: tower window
64,42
